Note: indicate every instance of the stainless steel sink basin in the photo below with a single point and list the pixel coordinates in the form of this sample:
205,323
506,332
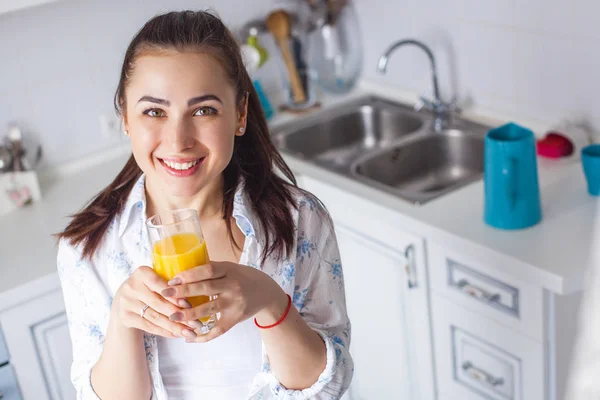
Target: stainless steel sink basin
388,146
426,168
337,137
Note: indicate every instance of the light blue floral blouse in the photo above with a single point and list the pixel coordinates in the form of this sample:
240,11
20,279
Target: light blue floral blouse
312,276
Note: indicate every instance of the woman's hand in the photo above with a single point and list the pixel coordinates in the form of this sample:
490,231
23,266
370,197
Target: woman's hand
143,288
242,292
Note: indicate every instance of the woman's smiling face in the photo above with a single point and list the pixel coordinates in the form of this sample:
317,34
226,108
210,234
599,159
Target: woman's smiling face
182,115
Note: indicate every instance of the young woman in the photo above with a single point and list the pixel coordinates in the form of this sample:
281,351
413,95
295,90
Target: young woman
200,140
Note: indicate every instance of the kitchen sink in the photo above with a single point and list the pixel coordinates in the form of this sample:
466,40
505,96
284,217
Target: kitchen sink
336,138
427,167
388,146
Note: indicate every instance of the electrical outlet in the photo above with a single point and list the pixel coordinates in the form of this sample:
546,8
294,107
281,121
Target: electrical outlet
110,127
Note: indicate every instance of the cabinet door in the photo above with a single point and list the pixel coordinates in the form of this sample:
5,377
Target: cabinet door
388,304
375,285
39,344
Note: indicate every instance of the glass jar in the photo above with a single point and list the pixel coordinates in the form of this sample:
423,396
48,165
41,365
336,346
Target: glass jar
335,52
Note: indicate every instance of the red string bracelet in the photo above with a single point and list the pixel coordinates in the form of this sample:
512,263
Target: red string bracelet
287,311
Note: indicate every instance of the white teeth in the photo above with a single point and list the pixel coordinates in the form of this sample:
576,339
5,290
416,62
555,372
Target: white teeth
180,166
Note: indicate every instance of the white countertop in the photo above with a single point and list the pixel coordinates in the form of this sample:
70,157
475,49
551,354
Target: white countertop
27,248
554,254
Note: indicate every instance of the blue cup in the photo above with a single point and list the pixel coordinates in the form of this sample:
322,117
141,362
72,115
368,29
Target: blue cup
512,194
590,158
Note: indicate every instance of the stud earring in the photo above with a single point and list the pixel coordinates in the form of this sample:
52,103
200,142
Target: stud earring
126,132
242,129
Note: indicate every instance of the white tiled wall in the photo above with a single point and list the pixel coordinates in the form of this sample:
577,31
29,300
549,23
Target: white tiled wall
59,65
530,60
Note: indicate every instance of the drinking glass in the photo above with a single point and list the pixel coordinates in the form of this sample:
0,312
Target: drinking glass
178,245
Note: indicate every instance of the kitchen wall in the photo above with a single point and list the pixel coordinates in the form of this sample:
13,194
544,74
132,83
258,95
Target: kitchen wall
531,60
59,66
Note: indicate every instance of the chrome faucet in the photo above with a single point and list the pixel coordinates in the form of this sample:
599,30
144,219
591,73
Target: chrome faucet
442,112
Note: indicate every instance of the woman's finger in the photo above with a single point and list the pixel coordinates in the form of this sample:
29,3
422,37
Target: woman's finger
152,281
150,278
159,303
223,325
214,270
133,319
162,322
133,311
149,327
209,287
204,310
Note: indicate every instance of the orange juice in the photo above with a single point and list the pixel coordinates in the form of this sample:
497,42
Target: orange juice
178,253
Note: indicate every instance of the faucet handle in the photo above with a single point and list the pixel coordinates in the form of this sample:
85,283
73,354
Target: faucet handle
437,106
424,103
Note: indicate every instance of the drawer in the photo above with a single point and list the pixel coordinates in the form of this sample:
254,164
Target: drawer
482,286
9,389
3,349
476,358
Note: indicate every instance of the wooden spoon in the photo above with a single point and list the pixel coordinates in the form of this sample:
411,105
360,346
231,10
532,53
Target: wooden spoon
278,23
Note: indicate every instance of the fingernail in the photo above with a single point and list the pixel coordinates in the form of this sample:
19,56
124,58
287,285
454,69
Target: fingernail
196,324
168,292
183,303
174,281
176,316
188,334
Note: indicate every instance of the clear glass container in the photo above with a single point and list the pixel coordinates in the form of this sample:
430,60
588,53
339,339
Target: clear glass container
336,49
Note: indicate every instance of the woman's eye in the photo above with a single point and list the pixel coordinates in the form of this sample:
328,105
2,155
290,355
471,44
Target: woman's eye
205,111
154,112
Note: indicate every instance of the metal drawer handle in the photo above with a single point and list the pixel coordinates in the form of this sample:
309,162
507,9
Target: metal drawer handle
481,376
410,267
476,292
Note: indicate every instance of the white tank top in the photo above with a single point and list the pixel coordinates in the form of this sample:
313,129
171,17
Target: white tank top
223,368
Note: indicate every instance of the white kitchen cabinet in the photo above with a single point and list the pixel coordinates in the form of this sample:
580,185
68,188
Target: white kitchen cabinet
14,5
387,298
38,341
495,336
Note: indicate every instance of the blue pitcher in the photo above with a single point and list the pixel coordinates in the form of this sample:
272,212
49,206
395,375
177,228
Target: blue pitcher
512,194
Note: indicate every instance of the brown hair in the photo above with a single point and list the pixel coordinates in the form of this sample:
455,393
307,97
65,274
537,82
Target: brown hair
255,158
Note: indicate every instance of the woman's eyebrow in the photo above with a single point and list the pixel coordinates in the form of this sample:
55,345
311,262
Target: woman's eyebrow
155,100
200,99
191,102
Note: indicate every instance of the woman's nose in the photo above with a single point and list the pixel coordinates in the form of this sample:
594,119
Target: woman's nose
181,135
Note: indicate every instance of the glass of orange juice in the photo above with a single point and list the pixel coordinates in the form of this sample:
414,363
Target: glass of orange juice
178,245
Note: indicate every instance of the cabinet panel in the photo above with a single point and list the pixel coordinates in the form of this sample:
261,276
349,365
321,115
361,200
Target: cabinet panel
478,359
38,340
55,354
484,288
380,345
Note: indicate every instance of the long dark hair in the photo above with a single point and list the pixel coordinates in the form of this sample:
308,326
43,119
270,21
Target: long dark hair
255,159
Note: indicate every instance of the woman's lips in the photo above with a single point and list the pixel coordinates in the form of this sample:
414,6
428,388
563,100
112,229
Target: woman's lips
181,172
